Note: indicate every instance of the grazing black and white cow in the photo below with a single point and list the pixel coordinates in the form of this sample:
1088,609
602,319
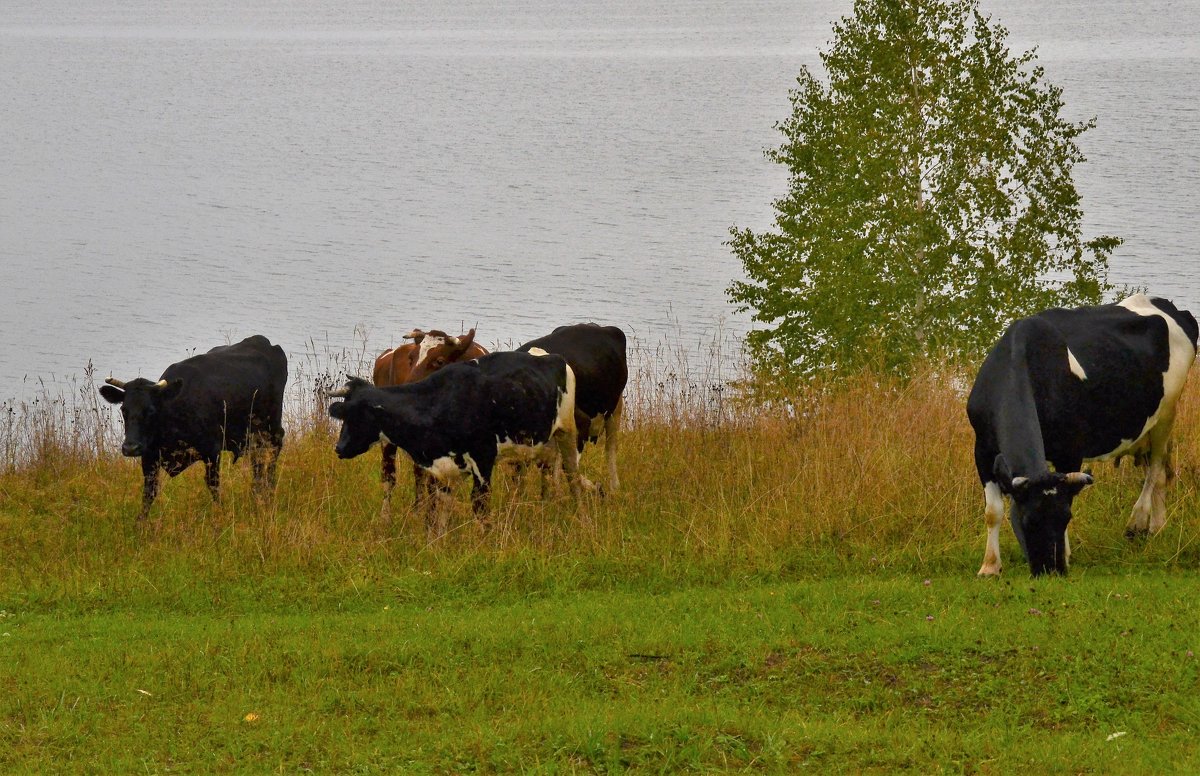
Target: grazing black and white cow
464,416
1068,386
597,356
230,398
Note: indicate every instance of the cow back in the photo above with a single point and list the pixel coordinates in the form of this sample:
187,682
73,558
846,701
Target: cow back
393,366
227,393
597,355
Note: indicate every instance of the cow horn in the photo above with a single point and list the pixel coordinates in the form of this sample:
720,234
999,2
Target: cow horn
340,393
415,334
161,384
1078,478
1019,481
114,382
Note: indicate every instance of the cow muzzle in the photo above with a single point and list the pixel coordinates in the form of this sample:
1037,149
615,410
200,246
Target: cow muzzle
130,449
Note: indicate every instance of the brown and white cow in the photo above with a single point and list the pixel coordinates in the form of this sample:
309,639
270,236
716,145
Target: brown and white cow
427,352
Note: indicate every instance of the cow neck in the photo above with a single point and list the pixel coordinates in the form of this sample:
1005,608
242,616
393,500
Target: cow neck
403,420
1018,428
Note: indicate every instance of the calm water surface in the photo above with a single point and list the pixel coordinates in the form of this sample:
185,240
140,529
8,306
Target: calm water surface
175,175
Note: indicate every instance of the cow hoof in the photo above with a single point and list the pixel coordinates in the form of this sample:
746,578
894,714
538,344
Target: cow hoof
989,572
1133,534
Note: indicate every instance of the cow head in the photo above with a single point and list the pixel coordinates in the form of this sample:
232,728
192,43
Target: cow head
360,427
1041,510
142,402
435,349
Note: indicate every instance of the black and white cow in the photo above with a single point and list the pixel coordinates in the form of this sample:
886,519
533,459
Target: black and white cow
1068,386
461,418
230,398
597,356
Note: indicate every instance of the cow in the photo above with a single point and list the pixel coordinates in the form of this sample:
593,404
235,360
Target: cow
461,418
230,398
596,354
425,354
1067,386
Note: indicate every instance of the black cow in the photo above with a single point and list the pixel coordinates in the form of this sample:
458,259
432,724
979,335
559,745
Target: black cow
1068,386
464,416
230,398
597,356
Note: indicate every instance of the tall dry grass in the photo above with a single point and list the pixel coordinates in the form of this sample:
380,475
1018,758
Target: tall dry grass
858,474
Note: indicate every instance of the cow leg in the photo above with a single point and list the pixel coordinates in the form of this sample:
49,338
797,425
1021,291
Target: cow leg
273,463
993,516
263,458
438,500
387,475
570,458
1150,510
547,467
150,479
481,487
1067,545
427,498
612,427
212,477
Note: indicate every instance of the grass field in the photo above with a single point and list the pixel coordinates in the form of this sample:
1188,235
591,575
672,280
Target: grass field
771,591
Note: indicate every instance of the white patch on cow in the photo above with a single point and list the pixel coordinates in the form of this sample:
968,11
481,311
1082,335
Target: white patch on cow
1050,492
428,343
472,467
1182,356
566,405
1076,367
444,468
566,400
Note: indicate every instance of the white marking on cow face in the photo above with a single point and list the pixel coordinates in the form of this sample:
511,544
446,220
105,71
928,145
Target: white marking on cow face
1076,367
444,468
1050,492
428,343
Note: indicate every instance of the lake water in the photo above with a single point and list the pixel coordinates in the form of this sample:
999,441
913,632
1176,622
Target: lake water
176,175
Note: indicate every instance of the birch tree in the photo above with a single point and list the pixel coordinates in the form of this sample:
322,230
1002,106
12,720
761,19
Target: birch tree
930,198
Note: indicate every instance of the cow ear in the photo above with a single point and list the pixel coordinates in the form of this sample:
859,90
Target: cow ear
337,410
465,341
172,389
112,394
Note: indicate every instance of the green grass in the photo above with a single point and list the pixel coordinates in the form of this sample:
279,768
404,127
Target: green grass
753,600
874,672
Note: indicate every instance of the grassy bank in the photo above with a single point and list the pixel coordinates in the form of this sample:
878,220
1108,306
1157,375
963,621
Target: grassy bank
858,673
754,598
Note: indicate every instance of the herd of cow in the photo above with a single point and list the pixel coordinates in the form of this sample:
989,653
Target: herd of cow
450,405
1060,387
